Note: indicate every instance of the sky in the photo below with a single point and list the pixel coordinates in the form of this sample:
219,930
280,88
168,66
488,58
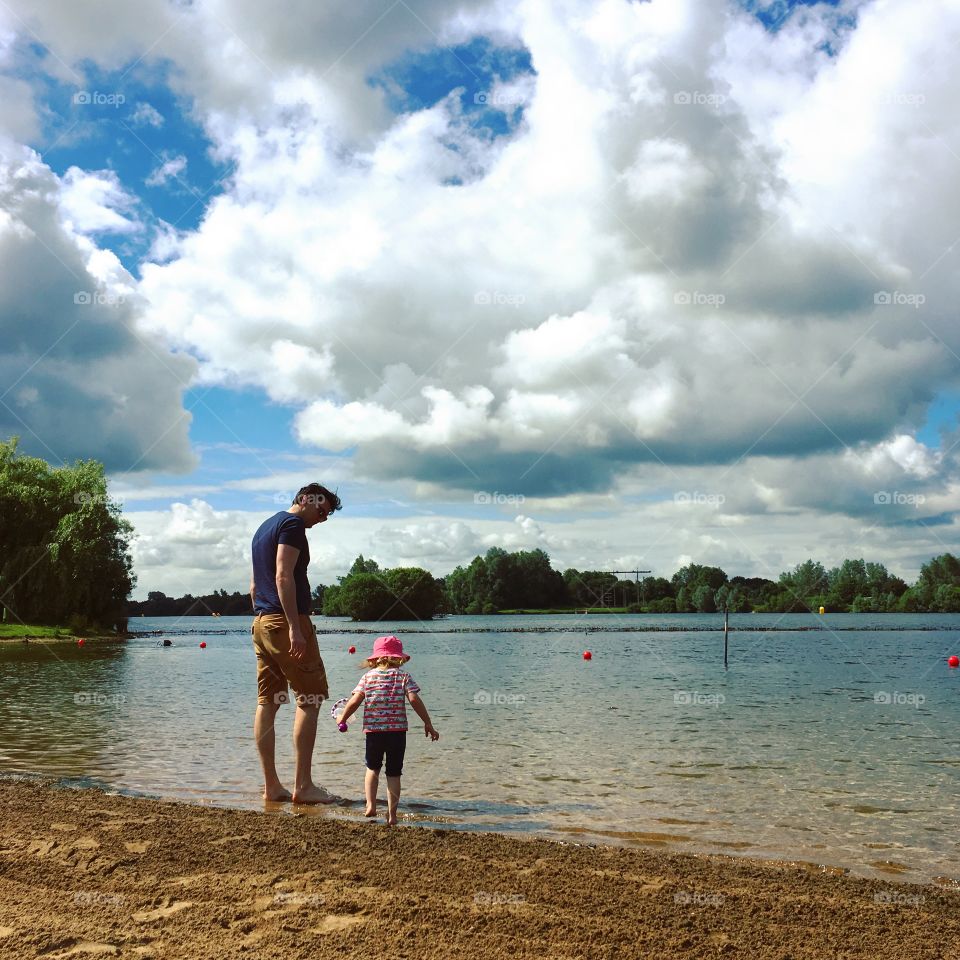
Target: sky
636,283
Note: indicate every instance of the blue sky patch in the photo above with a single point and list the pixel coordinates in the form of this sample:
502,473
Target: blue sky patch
417,81
943,417
773,14
131,122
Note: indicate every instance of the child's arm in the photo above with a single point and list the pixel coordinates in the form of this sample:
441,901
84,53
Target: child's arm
350,707
421,710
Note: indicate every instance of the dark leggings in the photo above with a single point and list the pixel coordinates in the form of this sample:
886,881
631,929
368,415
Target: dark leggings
393,743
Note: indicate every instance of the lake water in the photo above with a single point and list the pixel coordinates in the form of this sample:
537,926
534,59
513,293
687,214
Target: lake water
831,740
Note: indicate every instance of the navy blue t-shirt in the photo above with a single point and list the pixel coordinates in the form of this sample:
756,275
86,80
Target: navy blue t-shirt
288,528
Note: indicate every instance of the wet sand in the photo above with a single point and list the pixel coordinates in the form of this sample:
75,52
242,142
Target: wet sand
83,874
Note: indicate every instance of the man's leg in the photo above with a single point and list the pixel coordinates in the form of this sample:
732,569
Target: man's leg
263,733
304,736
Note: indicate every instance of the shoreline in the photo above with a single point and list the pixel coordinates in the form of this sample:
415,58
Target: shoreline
349,812
86,872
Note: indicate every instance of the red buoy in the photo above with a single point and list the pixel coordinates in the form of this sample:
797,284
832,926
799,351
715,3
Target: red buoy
587,655
203,644
352,650
954,661
80,642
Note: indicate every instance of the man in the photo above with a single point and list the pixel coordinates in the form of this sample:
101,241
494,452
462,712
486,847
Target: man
285,639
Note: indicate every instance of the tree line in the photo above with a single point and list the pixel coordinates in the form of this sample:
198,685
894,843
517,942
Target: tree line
525,580
221,603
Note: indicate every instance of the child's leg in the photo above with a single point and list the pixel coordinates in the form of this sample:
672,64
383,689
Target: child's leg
395,751
375,750
370,784
393,798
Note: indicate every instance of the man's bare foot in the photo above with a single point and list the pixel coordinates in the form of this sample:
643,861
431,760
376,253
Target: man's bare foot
314,794
391,821
370,811
279,794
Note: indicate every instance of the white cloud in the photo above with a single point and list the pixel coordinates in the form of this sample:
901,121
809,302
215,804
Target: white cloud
84,380
96,202
165,244
168,170
146,115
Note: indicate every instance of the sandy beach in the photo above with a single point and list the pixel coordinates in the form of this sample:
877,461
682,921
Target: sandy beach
83,873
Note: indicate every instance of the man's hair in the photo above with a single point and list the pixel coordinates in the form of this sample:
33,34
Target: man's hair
314,492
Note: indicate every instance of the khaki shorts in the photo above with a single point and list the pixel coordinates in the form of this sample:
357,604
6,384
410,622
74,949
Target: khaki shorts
276,666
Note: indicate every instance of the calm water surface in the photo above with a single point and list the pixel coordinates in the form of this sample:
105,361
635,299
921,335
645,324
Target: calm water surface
834,743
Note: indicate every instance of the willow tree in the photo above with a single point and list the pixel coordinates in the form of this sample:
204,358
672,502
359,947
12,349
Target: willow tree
65,545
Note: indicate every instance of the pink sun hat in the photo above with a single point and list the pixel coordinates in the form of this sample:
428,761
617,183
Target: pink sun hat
388,647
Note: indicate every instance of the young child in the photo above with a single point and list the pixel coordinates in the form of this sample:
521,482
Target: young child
383,690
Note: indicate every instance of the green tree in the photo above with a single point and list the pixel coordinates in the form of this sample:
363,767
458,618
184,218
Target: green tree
365,596
456,591
925,595
946,599
802,587
655,588
730,598
332,605
703,599
693,575
65,542
846,583
417,596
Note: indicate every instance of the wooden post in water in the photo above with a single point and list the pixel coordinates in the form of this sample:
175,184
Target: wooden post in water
726,628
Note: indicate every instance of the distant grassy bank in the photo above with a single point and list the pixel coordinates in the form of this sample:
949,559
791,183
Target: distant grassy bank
32,631
570,610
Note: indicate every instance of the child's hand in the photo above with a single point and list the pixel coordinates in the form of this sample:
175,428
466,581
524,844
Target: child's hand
430,731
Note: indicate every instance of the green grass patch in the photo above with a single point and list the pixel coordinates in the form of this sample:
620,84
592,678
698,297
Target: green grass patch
31,630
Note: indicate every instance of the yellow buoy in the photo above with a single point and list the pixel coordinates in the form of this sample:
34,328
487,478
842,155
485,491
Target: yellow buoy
823,610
